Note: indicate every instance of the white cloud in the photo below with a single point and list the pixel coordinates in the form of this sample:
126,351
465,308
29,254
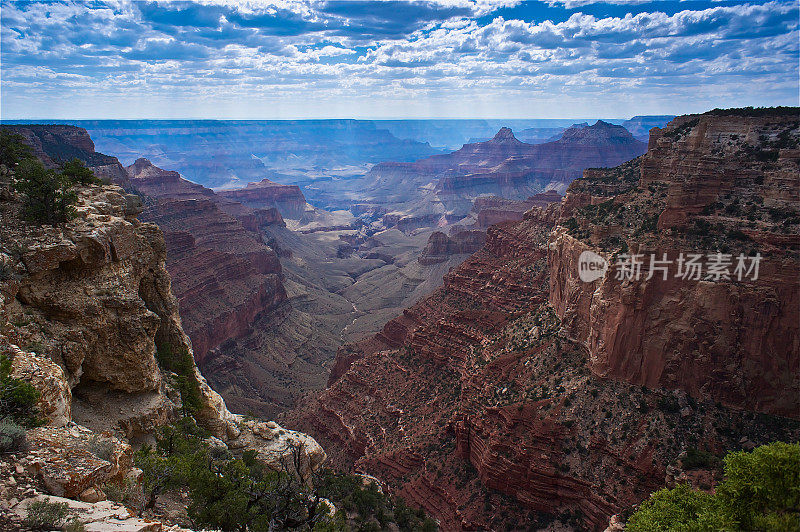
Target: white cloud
61,49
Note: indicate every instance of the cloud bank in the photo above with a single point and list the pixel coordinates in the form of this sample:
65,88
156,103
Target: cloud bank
459,58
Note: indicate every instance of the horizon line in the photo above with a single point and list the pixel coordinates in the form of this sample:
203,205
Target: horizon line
4,120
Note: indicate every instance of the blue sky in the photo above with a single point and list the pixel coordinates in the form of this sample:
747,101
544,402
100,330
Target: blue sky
393,59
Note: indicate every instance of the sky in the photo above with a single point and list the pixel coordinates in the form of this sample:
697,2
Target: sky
273,59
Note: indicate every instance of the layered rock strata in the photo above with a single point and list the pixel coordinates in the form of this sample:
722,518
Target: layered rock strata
224,275
509,395
708,184
288,199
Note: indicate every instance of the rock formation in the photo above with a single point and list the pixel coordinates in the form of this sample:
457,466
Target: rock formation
56,144
493,210
224,275
640,126
708,183
84,308
440,246
230,153
288,199
506,167
514,393
166,185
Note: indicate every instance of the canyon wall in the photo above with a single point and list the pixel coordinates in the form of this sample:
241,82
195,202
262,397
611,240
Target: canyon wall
224,275
56,144
502,400
712,183
288,199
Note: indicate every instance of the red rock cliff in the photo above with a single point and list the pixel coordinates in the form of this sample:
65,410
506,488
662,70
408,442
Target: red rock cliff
224,275
482,406
711,183
288,199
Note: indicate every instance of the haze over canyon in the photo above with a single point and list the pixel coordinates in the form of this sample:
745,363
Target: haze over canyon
408,265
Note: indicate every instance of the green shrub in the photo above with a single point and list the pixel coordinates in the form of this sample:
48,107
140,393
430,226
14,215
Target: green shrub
182,365
761,491
13,149
49,198
74,526
571,225
76,172
46,515
17,398
126,492
48,195
668,404
12,436
229,493
699,459
762,487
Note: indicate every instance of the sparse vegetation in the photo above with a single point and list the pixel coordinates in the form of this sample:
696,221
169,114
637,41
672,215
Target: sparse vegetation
48,195
17,397
182,365
100,447
46,515
12,436
75,526
369,504
241,494
779,110
699,459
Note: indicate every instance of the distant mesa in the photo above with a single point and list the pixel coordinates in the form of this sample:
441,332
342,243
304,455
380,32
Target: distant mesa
640,126
600,134
288,199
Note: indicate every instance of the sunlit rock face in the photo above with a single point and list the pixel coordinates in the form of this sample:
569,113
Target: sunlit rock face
707,183
84,307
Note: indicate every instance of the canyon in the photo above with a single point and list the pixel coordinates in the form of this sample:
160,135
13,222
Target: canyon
442,189
518,393
450,351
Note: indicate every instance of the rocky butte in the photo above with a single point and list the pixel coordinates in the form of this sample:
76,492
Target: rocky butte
516,393
506,167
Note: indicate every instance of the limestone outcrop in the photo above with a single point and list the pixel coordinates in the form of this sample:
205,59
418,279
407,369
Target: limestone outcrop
84,307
